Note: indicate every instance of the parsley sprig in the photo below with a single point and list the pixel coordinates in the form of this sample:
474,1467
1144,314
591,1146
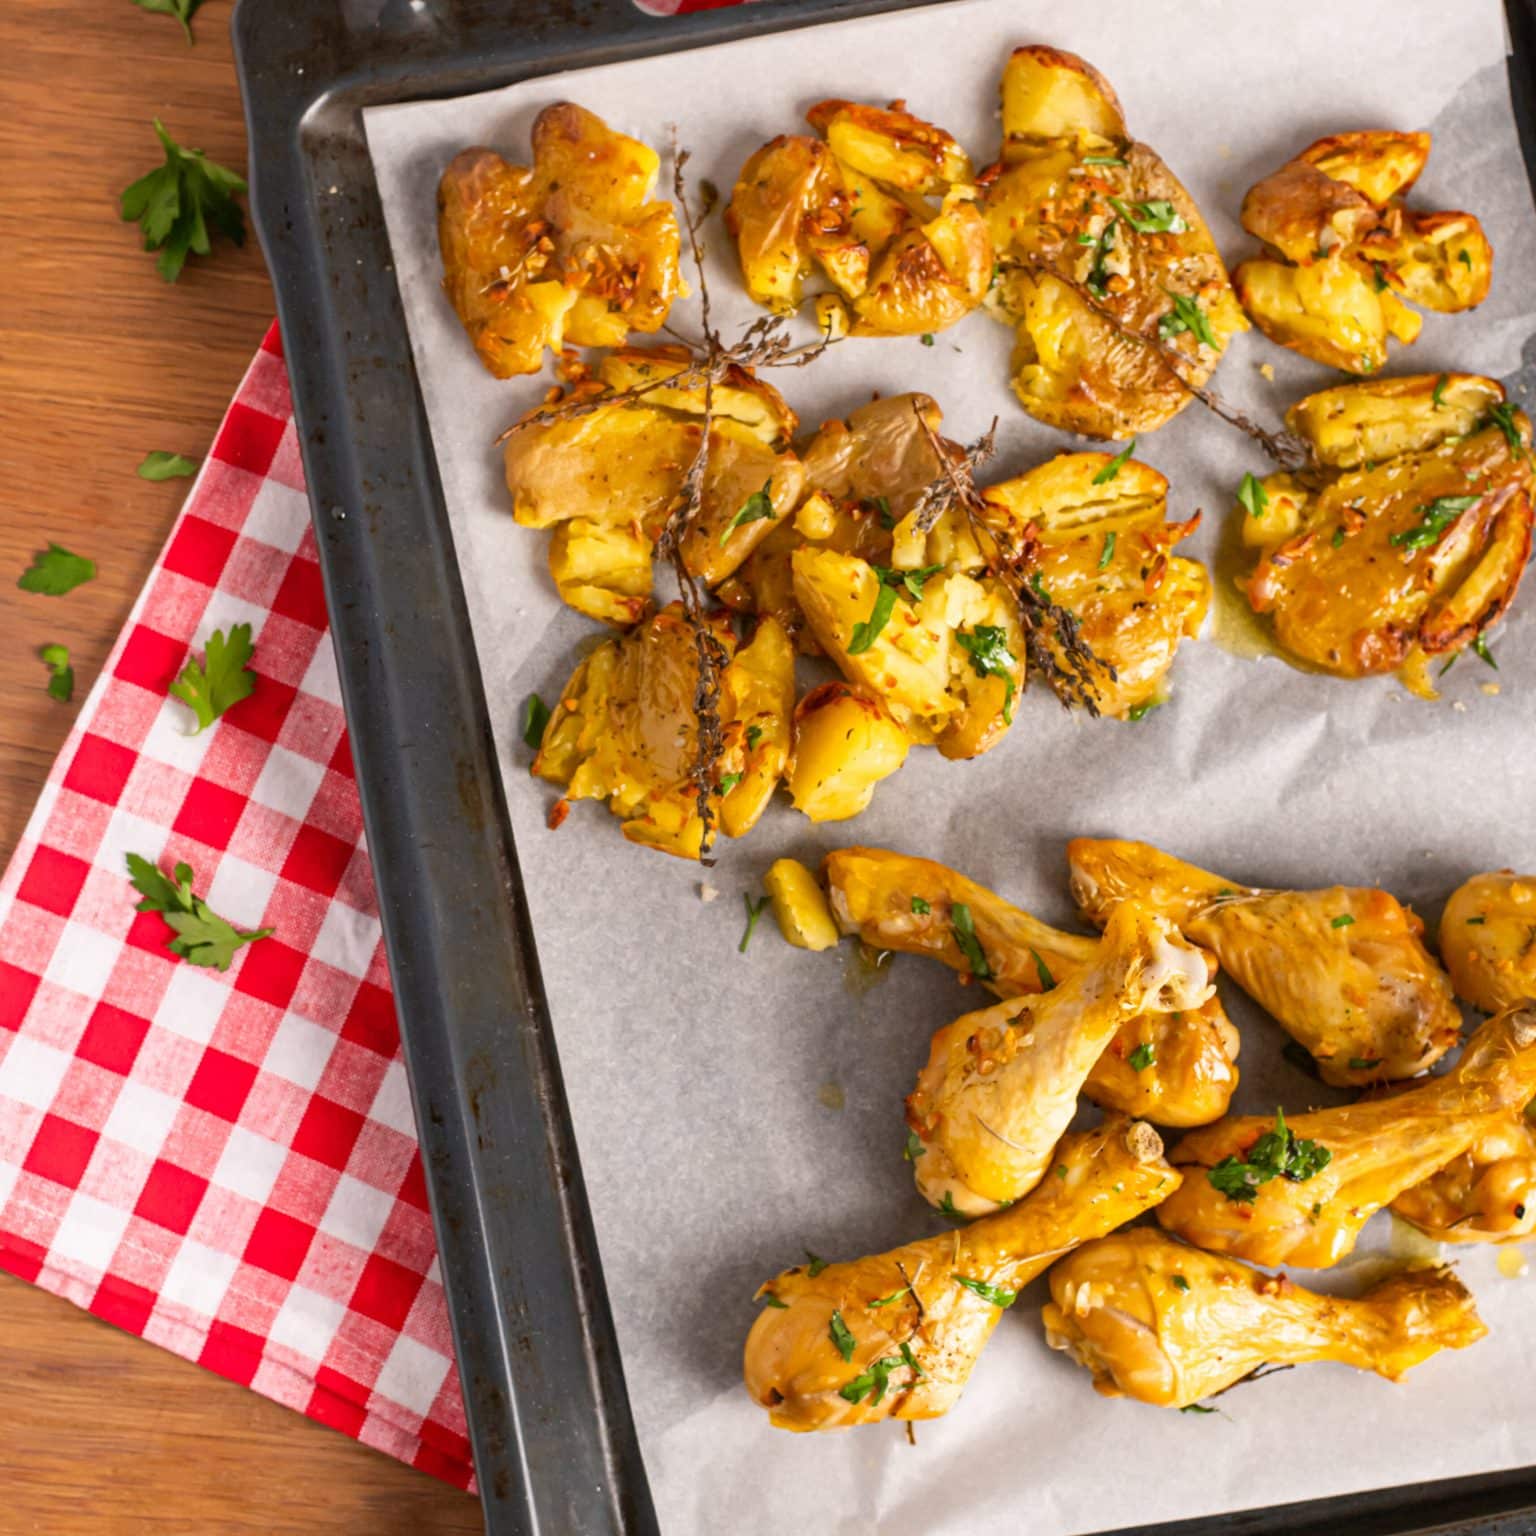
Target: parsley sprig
182,10
178,206
202,936
224,678
755,509
56,571
1276,1154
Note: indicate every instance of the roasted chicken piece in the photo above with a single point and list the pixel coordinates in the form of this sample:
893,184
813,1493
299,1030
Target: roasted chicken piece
1107,273
570,249
1174,1068
1001,1084
1168,1325
882,204
895,1336
1486,1194
1410,539
1488,940
1102,548
1346,252
625,730
865,476
1344,970
604,464
1297,1190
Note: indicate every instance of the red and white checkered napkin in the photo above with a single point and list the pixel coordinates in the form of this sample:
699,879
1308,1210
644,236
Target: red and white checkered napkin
225,1164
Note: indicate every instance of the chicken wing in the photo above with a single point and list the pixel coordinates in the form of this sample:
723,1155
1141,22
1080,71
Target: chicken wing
1001,1085
1168,1325
1488,940
1343,970
896,1335
1172,1068
1298,1191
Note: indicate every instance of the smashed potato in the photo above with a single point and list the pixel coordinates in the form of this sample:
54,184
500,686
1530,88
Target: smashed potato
846,741
569,250
1410,539
605,479
1346,252
859,203
1488,940
1117,295
1103,549
943,651
625,731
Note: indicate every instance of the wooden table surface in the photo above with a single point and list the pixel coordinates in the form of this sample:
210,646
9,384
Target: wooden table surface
100,361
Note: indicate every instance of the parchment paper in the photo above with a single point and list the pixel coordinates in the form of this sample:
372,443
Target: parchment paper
733,1110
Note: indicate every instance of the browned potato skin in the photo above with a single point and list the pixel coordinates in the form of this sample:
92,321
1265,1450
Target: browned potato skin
1488,940
1094,365
567,250
1335,212
1345,599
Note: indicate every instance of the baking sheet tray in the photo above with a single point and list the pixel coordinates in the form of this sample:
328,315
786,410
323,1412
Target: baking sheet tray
862,1032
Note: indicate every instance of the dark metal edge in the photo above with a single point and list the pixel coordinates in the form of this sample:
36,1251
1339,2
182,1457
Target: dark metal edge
554,1442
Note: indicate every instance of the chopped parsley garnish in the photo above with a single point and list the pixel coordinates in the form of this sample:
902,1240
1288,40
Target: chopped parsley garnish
841,1337
1502,416
963,927
61,675
1115,465
1437,399
1481,651
202,936
1061,1170
887,518
920,906
1276,1154
914,1148
160,465
1181,1282
1343,920
754,911
757,507
55,572
1097,280
998,1295
1434,518
1187,315
987,646
1338,536
1141,1058
947,1208
773,1301
814,1263
728,782
1141,711
885,1301
182,10
1043,971
1108,552
1252,497
224,678
1465,258
1476,922
927,338
1198,1408
1363,1063
908,583
877,1378
754,735
535,721
1159,217
1102,160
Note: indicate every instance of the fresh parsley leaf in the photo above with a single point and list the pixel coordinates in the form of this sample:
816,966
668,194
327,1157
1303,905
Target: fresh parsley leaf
841,1337
757,507
987,646
1465,258
1187,315
1343,920
1338,536
998,1295
1141,711
1155,218
1181,1282
1363,1063
920,906
814,1263
1115,465
1108,552
909,1360
1434,518
56,571
1437,399
866,631
728,782
223,679
1043,971
202,936
1476,922
963,926
1481,651
160,465
885,1301
61,676
535,721
754,735
1277,1153
1141,1058
927,338
753,913
914,1148
177,205
182,10
1502,416
1252,497
773,1301
877,1378
1102,160
1198,1408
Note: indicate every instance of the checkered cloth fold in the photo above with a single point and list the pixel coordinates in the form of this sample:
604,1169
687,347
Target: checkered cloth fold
225,1164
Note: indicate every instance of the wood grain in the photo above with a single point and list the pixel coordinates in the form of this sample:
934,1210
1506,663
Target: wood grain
100,361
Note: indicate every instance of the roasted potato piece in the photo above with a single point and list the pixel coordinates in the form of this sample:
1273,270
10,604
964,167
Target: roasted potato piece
606,474
624,730
799,907
1109,277
860,205
845,742
1371,564
1488,940
1346,249
943,651
1102,548
569,250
